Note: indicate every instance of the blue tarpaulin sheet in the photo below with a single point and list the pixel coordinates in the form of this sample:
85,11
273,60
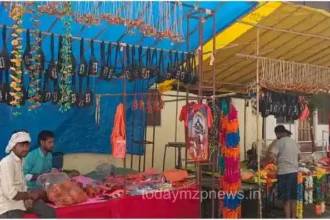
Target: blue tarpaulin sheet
76,130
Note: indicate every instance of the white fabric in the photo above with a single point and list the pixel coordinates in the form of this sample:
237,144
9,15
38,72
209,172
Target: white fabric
17,138
11,181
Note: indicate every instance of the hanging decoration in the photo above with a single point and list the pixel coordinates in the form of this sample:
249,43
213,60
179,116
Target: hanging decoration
16,14
167,24
67,66
34,69
309,190
291,76
319,191
300,203
230,160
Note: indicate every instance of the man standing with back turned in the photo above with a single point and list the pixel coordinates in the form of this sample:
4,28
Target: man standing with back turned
287,154
40,160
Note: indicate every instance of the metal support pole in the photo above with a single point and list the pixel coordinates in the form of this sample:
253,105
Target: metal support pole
258,116
245,138
124,115
213,158
176,121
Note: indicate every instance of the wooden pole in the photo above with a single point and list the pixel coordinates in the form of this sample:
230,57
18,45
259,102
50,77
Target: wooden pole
258,129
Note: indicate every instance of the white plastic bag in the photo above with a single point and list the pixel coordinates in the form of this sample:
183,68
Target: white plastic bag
45,181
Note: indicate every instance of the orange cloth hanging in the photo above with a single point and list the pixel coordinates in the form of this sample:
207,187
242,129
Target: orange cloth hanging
118,136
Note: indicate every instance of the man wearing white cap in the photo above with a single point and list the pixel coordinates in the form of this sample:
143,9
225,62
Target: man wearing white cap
14,197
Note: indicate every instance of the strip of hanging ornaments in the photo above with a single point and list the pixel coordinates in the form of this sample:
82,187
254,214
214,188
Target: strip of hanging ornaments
290,76
165,23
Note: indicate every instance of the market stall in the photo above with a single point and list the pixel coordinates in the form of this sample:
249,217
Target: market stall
277,49
81,75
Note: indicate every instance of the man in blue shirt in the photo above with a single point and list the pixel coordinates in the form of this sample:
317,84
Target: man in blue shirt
40,160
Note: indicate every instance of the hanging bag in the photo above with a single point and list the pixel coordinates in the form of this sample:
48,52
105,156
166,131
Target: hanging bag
129,70
118,136
184,66
74,93
27,56
45,93
5,65
161,68
121,74
169,66
105,70
176,69
93,64
52,67
4,55
56,97
83,63
89,96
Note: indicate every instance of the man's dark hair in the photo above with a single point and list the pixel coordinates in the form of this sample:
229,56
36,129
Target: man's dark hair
44,135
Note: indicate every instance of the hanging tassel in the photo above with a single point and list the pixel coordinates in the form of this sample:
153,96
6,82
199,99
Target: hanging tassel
97,110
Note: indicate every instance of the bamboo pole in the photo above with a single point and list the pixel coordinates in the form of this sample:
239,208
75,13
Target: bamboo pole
258,115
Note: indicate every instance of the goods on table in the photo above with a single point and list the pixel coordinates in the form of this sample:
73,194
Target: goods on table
66,194
247,175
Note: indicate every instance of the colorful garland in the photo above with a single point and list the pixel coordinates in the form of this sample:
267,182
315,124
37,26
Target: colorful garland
16,14
309,190
66,68
299,211
319,191
35,73
230,159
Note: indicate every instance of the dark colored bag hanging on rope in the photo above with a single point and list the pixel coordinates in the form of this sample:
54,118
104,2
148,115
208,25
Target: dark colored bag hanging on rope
105,70
5,64
161,68
89,96
27,56
56,97
83,66
52,67
140,65
176,70
121,74
93,64
152,66
45,93
184,66
4,55
129,70
1,86
169,66
194,73
74,93
146,72
81,97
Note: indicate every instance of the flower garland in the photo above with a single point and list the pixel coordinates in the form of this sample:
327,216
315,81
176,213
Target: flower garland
16,14
299,211
230,153
35,73
319,191
309,190
67,65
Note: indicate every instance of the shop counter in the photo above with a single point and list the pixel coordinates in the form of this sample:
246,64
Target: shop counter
173,204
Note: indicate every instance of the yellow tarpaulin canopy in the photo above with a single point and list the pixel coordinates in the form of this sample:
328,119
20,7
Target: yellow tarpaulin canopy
233,71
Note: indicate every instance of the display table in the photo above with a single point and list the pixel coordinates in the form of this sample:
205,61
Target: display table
174,204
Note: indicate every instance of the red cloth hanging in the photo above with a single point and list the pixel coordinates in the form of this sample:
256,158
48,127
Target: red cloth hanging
118,136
